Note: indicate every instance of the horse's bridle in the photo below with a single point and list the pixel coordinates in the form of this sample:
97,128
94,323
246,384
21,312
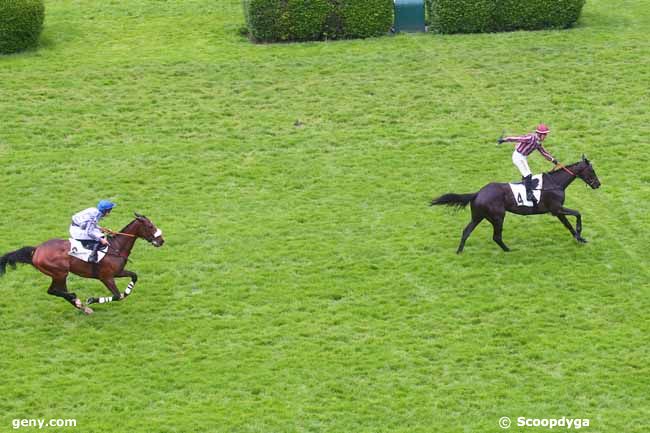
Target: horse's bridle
117,253
590,183
157,234
576,174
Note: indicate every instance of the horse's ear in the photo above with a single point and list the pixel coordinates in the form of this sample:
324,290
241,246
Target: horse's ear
137,215
584,158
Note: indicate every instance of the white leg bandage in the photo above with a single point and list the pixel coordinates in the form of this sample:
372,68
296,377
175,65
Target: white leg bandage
128,289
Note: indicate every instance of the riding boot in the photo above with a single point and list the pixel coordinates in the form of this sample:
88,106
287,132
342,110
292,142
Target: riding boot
528,183
93,255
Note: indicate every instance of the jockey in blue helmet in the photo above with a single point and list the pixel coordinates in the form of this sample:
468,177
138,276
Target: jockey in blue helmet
84,227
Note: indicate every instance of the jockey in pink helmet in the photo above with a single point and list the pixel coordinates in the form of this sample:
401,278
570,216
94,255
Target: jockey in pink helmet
526,144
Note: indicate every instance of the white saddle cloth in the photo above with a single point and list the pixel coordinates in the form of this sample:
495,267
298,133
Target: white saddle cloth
77,250
519,191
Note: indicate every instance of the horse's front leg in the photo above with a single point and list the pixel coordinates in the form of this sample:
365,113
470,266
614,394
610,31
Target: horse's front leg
577,234
110,285
563,219
134,279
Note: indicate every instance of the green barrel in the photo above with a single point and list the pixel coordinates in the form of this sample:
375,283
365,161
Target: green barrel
409,16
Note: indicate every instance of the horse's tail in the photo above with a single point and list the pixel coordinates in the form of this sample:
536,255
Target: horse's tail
23,255
458,200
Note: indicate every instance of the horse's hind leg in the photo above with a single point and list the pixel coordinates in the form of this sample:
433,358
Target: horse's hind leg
59,288
497,225
468,231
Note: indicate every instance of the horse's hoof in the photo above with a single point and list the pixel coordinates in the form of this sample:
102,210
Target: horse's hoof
581,240
91,301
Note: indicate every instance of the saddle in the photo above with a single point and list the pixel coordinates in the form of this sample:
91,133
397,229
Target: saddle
519,191
83,249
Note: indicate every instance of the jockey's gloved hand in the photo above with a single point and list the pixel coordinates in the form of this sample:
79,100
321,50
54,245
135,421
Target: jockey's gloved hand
554,161
500,140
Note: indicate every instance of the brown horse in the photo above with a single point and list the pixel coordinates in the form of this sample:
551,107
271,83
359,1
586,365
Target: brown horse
494,199
52,259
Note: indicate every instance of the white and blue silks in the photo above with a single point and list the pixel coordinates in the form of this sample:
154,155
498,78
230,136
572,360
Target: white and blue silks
85,225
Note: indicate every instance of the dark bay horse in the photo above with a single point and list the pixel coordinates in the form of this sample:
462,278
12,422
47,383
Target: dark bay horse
52,259
494,199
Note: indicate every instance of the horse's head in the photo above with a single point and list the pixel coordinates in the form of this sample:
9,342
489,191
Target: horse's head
586,172
148,231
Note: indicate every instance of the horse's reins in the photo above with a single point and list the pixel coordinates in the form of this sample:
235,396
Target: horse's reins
563,167
590,183
105,230
110,247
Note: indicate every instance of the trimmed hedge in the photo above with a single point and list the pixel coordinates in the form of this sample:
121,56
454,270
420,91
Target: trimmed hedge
535,15
365,18
309,20
479,16
461,16
21,23
286,20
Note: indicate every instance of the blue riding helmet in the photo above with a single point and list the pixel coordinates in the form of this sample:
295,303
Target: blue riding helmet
104,206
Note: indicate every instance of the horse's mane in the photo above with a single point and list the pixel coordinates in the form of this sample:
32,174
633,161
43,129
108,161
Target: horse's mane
134,221
129,225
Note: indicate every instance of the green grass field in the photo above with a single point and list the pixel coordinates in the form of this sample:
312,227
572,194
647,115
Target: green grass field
305,285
